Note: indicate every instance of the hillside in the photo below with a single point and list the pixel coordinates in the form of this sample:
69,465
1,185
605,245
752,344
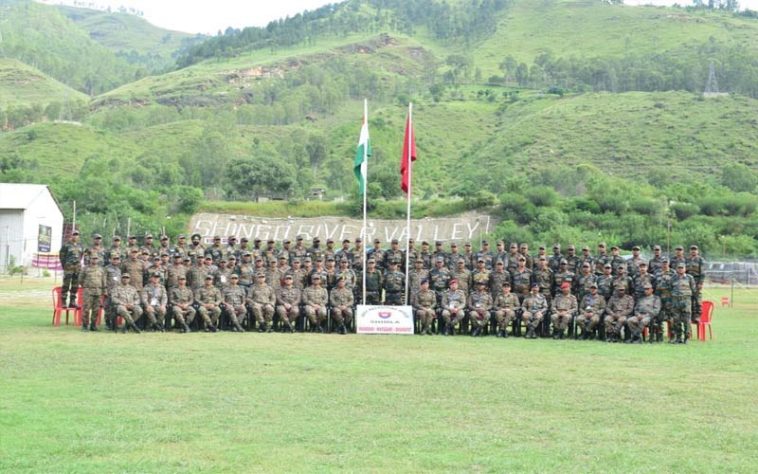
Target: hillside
22,86
564,132
131,37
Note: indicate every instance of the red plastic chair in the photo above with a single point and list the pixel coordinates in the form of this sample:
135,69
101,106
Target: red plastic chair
706,316
58,307
724,301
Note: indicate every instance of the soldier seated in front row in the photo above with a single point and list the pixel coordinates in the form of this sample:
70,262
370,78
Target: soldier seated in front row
453,307
341,301
126,301
315,299
564,307
506,304
533,310
424,302
479,305
646,310
234,301
591,311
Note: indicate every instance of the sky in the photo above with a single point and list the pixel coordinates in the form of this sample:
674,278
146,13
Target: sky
208,17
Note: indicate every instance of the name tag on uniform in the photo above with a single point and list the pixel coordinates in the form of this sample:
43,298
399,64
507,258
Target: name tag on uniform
115,278
154,302
223,279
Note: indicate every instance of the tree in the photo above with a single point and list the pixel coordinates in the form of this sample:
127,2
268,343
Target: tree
738,178
256,177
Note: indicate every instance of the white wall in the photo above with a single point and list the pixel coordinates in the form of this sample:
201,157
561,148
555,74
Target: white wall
42,211
11,236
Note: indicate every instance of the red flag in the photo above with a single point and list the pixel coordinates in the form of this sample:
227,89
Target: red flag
409,154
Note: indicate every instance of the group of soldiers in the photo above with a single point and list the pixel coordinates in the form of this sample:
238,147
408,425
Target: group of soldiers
590,295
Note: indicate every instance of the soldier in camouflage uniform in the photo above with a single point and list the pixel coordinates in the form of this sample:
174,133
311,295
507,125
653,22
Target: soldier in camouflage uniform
663,291
216,250
678,257
438,252
181,304
555,260
617,261
164,246
543,277
453,257
583,281
126,300
619,307
315,251
341,299
439,278
586,257
96,249
114,249
329,250
262,299
299,251
590,312
149,248
224,274
498,276
180,247
345,252
197,273
315,299
131,243
500,253
696,268
288,300
209,300
70,256
468,254
605,282
298,275
463,275
93,281
633,263
234,301
601,259
453,306
563,309
415,275
683,286
564,275
479,306
112,280
655,263
344,271
522,279
646,310
486,254
506,305
572,259
154,301
622,281
196,247
135,268
479,275
424,303
533,310
394,253
641,280
394,285
377,254
511,262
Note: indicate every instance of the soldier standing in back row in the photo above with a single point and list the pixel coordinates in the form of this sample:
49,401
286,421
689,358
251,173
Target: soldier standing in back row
394,285
71,260
696,268
682,288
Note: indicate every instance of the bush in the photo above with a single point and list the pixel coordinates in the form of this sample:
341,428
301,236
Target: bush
684,210
542,196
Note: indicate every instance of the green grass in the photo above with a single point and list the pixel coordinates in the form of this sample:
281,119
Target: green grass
76,402
22,85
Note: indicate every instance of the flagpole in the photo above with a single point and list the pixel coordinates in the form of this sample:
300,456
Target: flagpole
365,193
409,164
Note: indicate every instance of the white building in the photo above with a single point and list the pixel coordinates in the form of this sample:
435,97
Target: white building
28,212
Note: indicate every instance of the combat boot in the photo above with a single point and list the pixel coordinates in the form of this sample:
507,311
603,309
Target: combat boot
134,328
239,328
561,334
262,327
186,328
84,327
505,333
92,326
555,334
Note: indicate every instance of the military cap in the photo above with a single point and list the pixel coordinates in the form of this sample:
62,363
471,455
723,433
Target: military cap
571,247
665,260
607,265
288,277
507,283
125,275
156,259
693,247
296,260
358,240
438,242
522,258
593,285
346,241
681,265
535,285
543,258
411,240
132,237
424,280
679,247
484,242
657,247
556,247
244,239
481,283
394,241
453,280
258,258
585,248
97,236
145,252
257,240
149,236
116,237
316,239
260,275
621,288
440,258
344,260
182,277
614,247
499,262
453,245
94,257
315,277
287,241
164,237
299,237
371,260
542,247
234,276
329,241
232,237
115,255
270,241
377,241
419,260
648,286
308,259
621,268
460,260
480,259
642,264
156,275
636,247
586,265
209,277
209,258
282,257
565,285
232,257
246,254
75,232
181,236
134,250
328,259
424,242
601,244
187,259
393,261
514,245
341,278
216,237
164,254
196,235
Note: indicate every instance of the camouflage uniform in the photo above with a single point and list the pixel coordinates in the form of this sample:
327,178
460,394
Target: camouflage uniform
234,300
464,279
126,300
663,291
505,311
112,280
696,268
424,303
479,305
262,299
394,285
619,307
93,281
136,270
590,313
497,278
533,307
563,308
315,299
181,305
646,310
288,296
453,308
682,289
209,298
70,256
154,300
439,279
415,275
341,300
522,280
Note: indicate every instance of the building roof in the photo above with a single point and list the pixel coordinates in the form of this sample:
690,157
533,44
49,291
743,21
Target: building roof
21,196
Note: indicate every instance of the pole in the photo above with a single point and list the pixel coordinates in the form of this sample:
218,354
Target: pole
73,228
731,299
365,201
409,164
128,227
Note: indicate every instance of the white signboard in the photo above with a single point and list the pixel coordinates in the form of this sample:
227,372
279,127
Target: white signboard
469,226
384,319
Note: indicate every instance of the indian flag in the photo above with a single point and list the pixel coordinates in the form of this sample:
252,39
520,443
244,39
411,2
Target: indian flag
360,165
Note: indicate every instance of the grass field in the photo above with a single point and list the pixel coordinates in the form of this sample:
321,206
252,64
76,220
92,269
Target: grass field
83,402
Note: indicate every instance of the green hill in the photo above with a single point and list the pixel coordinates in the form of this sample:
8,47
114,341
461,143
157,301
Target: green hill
131,37
564,132
22,86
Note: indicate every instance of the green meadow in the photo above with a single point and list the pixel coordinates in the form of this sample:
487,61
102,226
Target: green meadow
103,402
